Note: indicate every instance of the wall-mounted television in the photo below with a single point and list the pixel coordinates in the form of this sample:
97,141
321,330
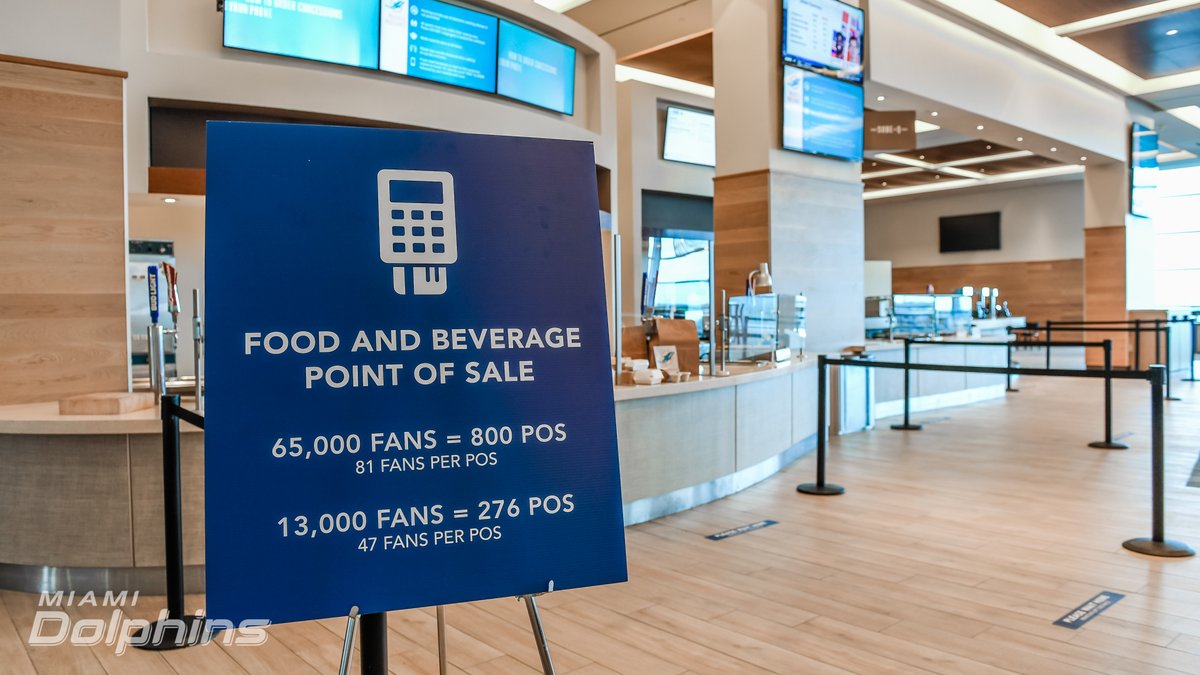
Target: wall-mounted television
535,69
1143,169
432,40
336,31
690,136
972,232
438,41
822,115
826,36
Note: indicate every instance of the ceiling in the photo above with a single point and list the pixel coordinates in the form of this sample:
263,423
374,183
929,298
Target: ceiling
688,59
977,161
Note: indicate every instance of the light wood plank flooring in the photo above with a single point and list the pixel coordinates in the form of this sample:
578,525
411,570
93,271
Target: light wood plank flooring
953,551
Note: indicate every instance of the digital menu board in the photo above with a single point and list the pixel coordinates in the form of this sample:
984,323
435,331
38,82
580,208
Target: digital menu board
440,42
334,31
1143,167
822,115
535,69
690,136
824,35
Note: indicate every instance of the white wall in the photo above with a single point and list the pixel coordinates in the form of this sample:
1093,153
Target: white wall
1042,222
918,51
81,32
172,49
643,168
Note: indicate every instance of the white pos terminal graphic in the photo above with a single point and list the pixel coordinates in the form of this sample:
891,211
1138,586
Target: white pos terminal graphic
417,227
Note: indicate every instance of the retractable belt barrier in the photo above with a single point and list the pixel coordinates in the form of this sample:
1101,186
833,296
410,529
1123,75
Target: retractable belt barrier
1107,444
1162,347
1156,545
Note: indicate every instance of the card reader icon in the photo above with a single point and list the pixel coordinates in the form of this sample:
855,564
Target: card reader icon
417,228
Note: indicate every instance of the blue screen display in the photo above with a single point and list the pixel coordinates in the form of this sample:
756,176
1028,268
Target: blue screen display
535,69
334,31
440,42
822,115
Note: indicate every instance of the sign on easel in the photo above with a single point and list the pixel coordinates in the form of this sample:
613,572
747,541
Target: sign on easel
409,397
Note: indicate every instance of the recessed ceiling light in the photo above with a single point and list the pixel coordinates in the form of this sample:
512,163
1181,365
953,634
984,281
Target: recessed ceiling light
1083,159
933,113
1020,138
937,177
1173,31
883,183
920,156
983,171
880,98
874,164
1053,149
978,127
169,200
988,147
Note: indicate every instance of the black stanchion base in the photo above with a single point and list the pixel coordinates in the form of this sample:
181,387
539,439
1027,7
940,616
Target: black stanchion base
1012,391
1189,379
1108,445
1172,398
826,489
907,427
172,634
1162,549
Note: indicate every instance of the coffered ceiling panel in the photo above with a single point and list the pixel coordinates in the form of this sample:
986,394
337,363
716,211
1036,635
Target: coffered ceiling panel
1058,12
956,151
1146,49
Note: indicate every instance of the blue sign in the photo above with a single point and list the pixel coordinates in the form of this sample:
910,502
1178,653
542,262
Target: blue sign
408,379
336,31
436,41
535,69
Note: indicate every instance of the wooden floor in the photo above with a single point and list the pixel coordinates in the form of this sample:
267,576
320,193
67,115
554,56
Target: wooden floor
953,551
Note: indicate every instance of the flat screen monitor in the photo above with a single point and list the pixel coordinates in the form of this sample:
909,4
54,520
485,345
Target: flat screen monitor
438,41
973,232
334,31
824,35
535,69
822,115
1143,169
690,136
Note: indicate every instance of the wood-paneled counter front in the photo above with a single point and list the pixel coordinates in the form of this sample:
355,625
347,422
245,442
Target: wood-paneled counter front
81,496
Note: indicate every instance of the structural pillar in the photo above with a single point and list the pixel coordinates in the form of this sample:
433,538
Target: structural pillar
800,213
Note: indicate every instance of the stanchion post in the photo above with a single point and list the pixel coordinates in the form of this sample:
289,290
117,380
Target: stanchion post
907,425
372,629
1137,344
821,487
1008,363
1158,544
1191,351
1166,334
1158,344
178,630
1108,443
1049,337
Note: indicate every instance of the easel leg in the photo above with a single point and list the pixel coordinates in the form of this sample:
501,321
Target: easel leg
373,653
441,628
539,635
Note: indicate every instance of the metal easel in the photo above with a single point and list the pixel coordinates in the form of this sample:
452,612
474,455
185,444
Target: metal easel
374,638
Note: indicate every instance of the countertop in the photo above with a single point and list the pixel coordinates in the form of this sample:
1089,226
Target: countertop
43,418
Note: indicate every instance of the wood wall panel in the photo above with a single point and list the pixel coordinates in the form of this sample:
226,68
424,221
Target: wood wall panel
741,227
176,180
1038,290
62,233
1104,290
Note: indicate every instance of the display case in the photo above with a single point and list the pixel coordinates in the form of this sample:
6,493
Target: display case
917,315
764,326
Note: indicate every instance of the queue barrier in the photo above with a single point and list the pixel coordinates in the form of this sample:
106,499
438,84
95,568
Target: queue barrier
1156,545
1137,327
1107,444
179,630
